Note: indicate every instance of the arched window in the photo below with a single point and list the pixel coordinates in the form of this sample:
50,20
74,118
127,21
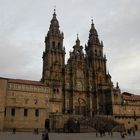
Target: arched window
100,53
54,90
53,44
95,52
59,45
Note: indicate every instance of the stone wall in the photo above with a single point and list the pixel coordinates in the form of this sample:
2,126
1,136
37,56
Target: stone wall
129,122
127,114
3,85
26,106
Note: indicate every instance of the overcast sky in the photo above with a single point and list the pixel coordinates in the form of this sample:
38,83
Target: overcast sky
24,24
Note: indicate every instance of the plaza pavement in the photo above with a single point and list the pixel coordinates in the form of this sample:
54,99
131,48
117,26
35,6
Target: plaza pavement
64,136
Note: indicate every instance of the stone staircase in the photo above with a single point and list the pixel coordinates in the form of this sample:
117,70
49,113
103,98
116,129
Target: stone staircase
97,123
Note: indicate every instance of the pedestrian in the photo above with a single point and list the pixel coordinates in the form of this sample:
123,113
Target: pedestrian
111,133
122,134
133,132
45,136
36,130
100,131
14,130
78,126
96,133
128,132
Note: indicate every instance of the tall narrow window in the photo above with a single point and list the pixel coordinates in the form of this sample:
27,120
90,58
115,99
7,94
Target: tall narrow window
53,44
59,45
36,112
25,112
100,53
13,111
95,52
5,112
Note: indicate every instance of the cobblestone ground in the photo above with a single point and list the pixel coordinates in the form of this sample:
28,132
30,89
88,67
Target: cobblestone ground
64,136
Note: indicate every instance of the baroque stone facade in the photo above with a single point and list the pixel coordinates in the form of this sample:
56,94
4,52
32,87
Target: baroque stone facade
80,88
83,83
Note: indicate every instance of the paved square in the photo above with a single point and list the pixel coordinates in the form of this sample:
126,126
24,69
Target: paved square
64,136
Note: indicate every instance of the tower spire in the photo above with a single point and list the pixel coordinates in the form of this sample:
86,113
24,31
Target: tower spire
77,40
54,13
54,21
54,36
93,35
92,22
54,54
77,37
92,29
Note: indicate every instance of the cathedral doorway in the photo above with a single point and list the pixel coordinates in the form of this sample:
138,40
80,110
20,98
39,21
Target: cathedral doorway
47,124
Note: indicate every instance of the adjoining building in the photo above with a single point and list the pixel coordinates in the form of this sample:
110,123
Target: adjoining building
126,108
80,88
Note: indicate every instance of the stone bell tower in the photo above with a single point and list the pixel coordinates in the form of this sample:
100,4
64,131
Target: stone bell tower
101,86
54,54
53,67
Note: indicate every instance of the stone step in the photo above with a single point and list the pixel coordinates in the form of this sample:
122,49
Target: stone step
87,130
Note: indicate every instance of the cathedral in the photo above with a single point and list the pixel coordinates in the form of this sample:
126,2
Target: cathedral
83,83
80,88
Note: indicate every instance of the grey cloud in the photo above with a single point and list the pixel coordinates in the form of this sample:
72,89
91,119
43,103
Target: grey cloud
24,25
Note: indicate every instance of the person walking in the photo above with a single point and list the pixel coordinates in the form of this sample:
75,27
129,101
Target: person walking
133,130
14,130
45,136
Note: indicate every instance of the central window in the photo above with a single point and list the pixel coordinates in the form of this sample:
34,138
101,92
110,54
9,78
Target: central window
13,112
25,112
36,112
